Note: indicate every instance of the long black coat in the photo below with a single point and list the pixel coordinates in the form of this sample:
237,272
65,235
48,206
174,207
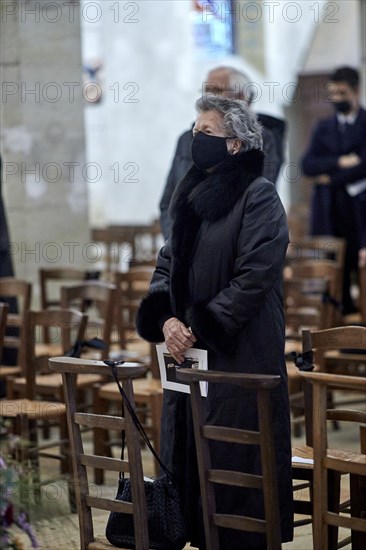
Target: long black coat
221,274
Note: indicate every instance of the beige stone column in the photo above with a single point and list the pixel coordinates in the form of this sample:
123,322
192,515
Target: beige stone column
42,134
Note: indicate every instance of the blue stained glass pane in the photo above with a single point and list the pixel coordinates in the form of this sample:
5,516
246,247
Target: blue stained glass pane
212,27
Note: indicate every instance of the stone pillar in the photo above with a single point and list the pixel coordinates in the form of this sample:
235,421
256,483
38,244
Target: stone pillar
44,171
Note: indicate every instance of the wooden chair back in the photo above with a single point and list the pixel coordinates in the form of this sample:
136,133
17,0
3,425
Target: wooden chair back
52,278
21,291
103,296
315,249
306,305
3,316
317,344
328,459
66,326
132,286
322,270
126,244
83,462
110,248
262,384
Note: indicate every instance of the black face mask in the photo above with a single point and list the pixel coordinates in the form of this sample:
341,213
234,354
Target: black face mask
207,151
342,107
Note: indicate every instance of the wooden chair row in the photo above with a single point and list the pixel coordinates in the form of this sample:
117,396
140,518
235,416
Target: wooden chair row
107,296
128,245
26,408
324,484
128,374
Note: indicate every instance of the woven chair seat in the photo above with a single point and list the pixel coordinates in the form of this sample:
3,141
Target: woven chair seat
33,409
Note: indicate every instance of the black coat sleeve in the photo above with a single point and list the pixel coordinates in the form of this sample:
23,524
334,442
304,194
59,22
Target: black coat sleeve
261,251
317,160
351,175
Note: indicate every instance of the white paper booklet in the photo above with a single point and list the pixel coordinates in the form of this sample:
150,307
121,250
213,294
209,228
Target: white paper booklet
195,359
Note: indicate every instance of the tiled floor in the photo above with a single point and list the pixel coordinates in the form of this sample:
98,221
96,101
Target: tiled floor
57,529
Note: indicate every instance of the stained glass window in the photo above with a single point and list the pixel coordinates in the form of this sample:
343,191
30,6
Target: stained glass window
213,27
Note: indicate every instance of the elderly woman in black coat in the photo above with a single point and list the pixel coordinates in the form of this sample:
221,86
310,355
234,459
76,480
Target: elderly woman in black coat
218,286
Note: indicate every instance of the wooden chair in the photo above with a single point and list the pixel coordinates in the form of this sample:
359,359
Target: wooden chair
263,385
23,405
51,279
132,286
103,296
298,221
315,344
335,460
305,307
3,315
109,248
360,315
149,399
48,385
123,245
10,287
322,270
345,361
85,502
5,371
316,248
306,304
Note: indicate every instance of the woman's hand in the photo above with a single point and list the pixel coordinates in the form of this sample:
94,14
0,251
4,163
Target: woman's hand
323,179
349,161
178,338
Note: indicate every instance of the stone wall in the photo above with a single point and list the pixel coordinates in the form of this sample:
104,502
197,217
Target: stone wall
42,135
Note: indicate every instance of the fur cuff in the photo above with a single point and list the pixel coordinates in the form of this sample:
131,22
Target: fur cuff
210,331
153,311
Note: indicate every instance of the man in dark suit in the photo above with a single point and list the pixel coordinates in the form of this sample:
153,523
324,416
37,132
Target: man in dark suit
228,82
336,158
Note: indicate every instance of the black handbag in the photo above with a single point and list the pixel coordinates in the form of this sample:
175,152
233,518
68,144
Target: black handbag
164,518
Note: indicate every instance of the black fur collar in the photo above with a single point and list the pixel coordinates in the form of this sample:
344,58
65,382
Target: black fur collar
212,196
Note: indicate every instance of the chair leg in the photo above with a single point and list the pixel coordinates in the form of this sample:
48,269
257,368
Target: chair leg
27,455
65,465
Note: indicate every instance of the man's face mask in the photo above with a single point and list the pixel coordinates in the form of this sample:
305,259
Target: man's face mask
342,106
208,151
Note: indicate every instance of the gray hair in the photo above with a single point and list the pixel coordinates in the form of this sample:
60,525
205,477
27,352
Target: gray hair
238,78
238,120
